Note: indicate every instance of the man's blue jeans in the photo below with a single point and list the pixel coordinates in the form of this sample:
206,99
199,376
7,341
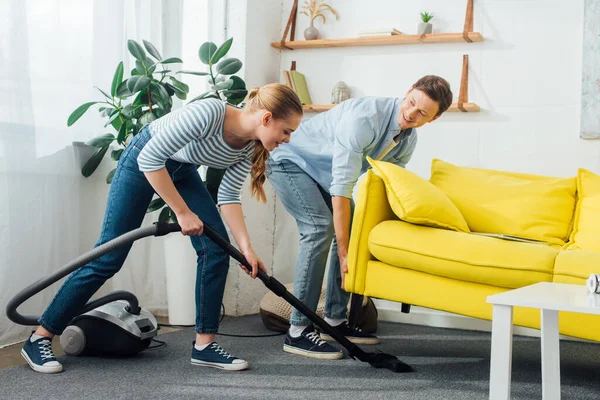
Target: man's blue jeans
311,206
129,197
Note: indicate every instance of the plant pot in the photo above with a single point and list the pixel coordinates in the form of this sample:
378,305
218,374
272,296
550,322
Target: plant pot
311,33
425,27
181,266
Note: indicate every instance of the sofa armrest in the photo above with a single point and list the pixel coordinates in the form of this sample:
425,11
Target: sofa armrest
371,208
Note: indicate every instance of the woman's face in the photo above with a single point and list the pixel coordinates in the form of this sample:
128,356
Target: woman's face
273,132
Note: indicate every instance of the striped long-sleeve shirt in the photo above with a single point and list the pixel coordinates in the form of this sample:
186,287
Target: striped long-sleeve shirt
194,134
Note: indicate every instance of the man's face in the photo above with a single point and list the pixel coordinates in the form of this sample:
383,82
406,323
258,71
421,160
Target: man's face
417,109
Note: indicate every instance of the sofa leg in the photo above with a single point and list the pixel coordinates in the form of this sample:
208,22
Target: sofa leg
405,308
355,308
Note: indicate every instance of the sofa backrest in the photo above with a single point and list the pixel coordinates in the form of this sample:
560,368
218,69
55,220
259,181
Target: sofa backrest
530,206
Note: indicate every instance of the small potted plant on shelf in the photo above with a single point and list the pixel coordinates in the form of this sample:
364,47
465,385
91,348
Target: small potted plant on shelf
315,9
425,26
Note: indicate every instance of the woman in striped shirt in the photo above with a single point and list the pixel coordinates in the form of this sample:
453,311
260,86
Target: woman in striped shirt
163,158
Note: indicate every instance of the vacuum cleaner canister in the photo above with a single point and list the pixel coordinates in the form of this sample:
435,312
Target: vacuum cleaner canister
109,330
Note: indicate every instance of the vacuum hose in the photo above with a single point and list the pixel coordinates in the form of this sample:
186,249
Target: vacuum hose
38,286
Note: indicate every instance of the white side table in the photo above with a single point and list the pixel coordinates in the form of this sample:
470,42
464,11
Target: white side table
550,298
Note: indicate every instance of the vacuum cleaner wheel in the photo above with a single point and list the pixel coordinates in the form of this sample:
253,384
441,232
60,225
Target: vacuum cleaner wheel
72,340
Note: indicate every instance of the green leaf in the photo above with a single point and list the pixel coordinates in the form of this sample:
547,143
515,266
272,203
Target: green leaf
116,154
106,111
156,204
202,96
112,118
147,118
117,79
223,85
136,50
108,96
179,85
134,72
164,215
101,141
152,50
173,216
137,83
132,111
221,51
122,134
206,52
172,60
151,69
122,91
161,91
79,111
192,73
91,164
229,66
164,71
110,176
140,67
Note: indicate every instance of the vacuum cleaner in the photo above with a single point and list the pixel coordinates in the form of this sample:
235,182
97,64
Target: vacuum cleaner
115,324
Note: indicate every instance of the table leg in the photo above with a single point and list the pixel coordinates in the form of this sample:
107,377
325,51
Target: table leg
550,355
501,358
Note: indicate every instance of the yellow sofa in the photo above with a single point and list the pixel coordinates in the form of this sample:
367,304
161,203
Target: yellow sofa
409,245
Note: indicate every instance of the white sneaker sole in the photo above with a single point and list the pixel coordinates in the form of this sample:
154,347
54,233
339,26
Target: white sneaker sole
312,354
356,340
40,368
226,367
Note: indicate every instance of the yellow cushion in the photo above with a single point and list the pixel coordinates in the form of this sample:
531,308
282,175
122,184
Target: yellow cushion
415,200
586,227
531,206
462,256
575,266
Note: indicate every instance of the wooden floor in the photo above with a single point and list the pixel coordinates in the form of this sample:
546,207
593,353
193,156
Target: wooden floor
10,356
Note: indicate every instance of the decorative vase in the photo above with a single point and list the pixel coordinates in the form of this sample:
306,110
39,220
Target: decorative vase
311,33
425,27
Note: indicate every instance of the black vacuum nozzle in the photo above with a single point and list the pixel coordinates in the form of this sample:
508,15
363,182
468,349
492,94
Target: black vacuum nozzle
383,360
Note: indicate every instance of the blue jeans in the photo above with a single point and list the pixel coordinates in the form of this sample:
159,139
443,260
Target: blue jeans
129,197
310,205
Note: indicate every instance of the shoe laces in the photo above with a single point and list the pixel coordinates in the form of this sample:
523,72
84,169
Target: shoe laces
46,349
315,338
217,348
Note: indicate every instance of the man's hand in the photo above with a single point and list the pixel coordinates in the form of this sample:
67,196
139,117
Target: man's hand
254,261
343,267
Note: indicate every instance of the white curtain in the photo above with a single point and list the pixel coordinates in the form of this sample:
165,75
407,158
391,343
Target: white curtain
52,54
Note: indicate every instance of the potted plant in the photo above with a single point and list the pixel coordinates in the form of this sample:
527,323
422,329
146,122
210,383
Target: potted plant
425,26
147,95
315,9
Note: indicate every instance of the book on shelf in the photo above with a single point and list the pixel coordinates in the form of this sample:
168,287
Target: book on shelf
297,81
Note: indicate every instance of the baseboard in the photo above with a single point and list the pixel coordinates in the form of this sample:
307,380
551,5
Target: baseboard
390,311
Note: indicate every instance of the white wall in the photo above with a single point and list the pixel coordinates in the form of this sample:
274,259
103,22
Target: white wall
526,77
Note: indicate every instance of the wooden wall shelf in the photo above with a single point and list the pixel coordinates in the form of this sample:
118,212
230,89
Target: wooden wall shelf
466,107
382,41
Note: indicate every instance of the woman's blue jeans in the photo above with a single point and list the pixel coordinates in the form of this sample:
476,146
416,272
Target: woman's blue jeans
129,197
311,206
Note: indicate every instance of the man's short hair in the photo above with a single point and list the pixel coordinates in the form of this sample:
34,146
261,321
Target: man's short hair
437,89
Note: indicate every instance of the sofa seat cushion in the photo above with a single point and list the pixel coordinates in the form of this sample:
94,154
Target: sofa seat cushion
462,256
575,266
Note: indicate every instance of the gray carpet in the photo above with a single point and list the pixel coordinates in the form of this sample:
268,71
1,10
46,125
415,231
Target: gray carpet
450,364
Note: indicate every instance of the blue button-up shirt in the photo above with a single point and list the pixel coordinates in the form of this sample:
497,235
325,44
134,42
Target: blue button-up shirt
332,147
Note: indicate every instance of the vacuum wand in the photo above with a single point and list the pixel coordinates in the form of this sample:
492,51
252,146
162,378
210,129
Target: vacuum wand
377,360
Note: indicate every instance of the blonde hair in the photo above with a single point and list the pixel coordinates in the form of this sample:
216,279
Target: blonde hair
281,101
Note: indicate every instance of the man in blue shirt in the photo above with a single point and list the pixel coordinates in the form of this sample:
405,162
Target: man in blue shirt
314,176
